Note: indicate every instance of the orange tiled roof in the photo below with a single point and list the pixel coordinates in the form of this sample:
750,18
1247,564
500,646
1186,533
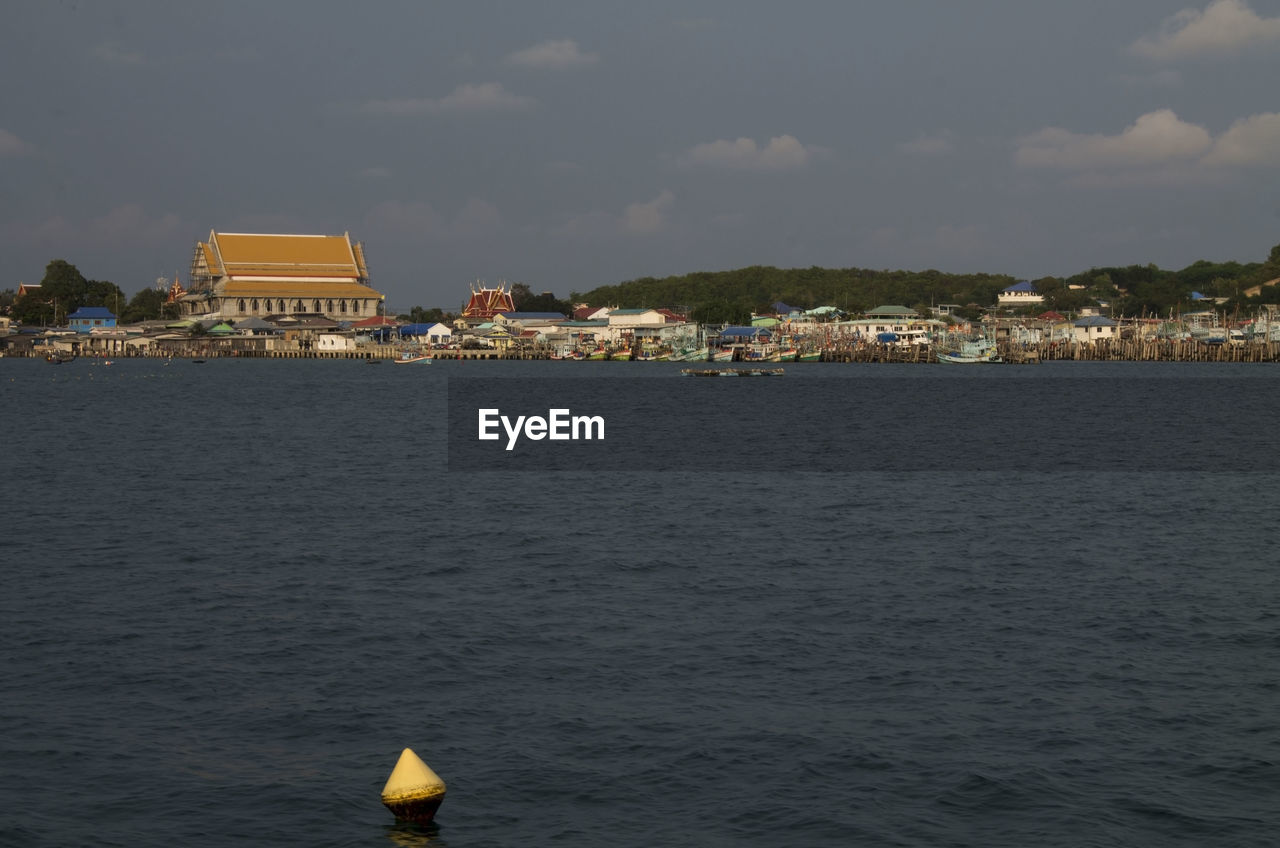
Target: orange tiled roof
246,254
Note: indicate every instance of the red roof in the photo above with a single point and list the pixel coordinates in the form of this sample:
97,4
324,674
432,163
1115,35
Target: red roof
377,321
486,303
672,317
1051,316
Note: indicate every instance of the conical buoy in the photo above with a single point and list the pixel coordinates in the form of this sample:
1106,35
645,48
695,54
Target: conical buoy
413,791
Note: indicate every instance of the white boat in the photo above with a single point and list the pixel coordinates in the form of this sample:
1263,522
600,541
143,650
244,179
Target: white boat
409,357
969,351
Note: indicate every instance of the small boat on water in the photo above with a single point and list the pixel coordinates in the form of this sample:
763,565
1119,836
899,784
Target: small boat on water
969,351
810,356
59,357
409,357
621,355
731,372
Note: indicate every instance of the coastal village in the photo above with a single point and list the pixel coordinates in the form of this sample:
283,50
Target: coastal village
311,296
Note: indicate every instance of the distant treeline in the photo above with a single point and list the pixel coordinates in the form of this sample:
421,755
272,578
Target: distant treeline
731,296
717,297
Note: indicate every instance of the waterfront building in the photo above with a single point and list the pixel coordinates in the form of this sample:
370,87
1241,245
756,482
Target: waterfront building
242,275
485,303
1020,294
87,318
1092,328
423,333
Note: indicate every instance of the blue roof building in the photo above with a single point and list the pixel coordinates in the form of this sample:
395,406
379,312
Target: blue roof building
87,318
1019,294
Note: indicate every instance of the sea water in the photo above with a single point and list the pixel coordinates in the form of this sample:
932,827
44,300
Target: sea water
234,591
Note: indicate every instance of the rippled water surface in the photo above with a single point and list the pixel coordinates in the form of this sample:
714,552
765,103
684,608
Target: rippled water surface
233,592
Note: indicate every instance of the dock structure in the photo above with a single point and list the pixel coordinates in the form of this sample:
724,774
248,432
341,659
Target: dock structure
1011,352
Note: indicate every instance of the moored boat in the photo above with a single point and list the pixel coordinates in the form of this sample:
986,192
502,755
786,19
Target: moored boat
409,357
969,351
731,372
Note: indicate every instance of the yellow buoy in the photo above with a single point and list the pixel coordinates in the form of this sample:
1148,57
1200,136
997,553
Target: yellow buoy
413,791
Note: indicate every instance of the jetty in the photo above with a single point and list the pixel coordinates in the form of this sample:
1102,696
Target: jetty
732,372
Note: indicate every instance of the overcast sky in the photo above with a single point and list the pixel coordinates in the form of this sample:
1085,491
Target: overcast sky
573,144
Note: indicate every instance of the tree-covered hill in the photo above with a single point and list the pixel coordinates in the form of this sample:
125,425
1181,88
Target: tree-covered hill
731,296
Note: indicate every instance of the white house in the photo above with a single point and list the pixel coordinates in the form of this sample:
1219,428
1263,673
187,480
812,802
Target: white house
335,342
1093,328
1020,294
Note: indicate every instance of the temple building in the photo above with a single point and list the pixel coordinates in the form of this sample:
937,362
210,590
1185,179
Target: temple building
486,303
243,275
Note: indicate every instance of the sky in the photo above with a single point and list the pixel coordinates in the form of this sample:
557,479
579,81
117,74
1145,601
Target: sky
568,145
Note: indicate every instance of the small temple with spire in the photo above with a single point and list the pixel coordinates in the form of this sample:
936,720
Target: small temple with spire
486,302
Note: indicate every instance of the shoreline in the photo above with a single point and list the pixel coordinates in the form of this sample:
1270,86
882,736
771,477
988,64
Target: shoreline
1010,353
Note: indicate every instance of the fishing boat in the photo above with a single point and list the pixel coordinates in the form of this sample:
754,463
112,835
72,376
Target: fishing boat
59,357
598,354
731,372
810,356
409,357
969,351
724,355
621,355
786,355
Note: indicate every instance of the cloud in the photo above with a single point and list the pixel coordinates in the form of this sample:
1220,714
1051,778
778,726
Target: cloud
114,54
641,218
468,97
1165,78
647,217
928,145
419,219
1156,138
696,24
1250,141
476,218
553,55
11,145
375,172
782,153
1225,26
400,218
131,224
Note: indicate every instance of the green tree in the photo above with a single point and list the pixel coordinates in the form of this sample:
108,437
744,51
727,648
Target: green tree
721,312
524,300
148,305
62,291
